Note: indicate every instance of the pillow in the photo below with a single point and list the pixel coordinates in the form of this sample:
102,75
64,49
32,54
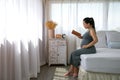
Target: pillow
102,43
115,45
113,39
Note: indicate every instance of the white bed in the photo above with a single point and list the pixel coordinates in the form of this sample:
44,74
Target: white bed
106,60
105,64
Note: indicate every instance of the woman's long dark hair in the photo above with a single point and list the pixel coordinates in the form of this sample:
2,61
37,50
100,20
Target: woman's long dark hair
89,20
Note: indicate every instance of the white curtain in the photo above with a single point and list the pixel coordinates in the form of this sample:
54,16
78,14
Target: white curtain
69,14
20,39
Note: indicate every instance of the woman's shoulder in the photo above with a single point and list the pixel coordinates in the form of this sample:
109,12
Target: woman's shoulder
92,31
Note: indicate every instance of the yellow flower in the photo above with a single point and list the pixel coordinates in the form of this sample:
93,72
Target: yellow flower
51,24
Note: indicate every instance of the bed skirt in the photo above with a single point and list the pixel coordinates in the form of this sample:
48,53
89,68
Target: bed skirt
85,75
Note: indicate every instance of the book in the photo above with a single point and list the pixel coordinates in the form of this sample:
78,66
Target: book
76,33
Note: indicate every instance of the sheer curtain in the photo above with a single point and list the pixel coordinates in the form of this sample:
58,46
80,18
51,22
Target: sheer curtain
20,39
69,15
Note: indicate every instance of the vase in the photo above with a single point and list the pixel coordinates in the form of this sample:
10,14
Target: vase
51,33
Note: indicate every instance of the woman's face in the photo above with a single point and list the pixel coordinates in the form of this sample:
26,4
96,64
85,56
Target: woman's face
86,25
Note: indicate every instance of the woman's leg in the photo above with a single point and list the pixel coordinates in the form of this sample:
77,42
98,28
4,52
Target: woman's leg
74,60
71,69
76,70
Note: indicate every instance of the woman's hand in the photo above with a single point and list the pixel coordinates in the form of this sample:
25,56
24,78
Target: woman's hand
79,36
84,46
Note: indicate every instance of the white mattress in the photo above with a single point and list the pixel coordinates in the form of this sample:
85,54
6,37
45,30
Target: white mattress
105,60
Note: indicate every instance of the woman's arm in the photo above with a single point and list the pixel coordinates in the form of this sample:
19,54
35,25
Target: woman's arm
95,39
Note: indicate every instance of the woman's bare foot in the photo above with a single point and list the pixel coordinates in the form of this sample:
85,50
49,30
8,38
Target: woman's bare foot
68,73
75,75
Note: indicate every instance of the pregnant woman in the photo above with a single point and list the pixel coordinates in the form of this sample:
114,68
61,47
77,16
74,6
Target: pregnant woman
89,39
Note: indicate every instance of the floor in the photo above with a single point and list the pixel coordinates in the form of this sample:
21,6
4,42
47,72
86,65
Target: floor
53,72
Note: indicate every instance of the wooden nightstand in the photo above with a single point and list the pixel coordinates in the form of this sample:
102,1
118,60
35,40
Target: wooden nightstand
57,51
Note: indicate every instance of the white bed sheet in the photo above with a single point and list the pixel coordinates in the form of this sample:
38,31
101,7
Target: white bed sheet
105,60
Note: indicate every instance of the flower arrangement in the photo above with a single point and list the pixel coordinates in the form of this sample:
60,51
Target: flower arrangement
51,25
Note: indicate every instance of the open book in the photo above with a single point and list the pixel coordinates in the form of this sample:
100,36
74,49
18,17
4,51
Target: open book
76,33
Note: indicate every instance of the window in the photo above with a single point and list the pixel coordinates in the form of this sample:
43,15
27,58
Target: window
114,16
69,15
